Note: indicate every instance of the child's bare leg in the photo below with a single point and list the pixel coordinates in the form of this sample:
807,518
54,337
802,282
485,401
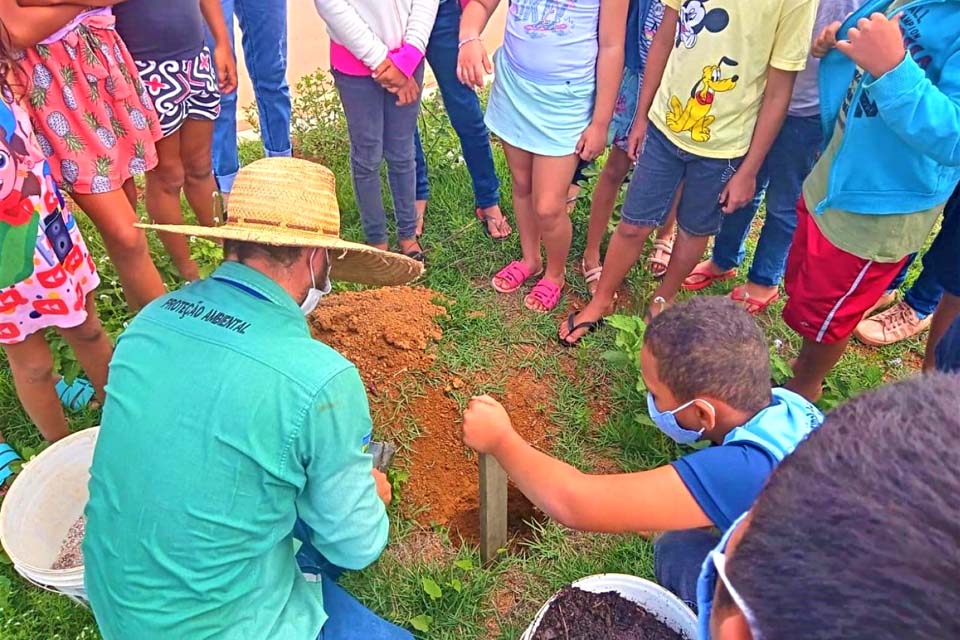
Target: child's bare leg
92,347
604,199
669,228
812,365
199,185
687,251
130,190
521,170
126,245
551,178
164,185
32,366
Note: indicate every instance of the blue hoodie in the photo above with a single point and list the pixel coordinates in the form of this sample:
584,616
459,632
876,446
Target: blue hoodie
905,154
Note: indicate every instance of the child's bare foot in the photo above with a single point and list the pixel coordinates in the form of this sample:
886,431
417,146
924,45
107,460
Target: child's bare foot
755,298
705,274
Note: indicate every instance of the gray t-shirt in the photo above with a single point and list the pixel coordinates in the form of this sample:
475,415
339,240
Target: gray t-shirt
160,30
806,91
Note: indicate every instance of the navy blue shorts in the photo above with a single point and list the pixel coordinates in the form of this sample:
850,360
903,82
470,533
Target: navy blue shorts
661,169
943,256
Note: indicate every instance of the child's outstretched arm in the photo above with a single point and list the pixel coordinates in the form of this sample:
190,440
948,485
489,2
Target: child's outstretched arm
741,188
924,115
655,500
473,62
223,57
613,17
657,58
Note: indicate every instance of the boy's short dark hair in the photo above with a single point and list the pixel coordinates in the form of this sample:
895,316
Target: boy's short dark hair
710,346
857,534
284,256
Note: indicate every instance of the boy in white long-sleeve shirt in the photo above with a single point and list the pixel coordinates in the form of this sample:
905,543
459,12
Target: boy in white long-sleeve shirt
377,60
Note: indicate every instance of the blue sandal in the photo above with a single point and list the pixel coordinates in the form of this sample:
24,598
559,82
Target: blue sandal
7,457
76,395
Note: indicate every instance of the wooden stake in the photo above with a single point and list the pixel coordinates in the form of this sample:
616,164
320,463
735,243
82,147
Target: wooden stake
493,508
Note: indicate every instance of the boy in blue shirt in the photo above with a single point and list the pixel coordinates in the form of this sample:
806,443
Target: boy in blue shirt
706,366
890,100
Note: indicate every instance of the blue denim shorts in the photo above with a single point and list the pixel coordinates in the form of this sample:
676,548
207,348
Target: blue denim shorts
662,167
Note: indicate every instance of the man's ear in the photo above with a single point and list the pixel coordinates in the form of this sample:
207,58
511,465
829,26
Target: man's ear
729,624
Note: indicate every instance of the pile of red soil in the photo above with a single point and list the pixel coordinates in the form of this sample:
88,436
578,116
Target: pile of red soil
389,335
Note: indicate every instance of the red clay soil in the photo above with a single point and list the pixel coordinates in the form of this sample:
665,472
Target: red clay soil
388,334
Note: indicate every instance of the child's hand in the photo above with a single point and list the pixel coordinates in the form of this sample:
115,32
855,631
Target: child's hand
635,141
473,64
826,41
486,425
409,94
390,77
384,490
738,191
226,66
592,142
875,44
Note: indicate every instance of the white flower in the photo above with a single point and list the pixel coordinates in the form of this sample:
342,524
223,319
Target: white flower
778,343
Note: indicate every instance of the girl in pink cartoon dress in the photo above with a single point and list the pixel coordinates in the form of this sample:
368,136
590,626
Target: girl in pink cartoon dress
47,278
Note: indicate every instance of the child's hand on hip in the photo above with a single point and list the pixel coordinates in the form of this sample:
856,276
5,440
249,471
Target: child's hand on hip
226,66
486,425
826,41
738,191
635,140
875,44
473,64
592,142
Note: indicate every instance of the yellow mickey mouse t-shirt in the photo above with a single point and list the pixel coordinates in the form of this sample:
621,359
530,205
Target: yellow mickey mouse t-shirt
714,81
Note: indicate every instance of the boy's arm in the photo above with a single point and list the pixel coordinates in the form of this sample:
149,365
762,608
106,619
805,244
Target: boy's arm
223,57
657,59
613,17
27,26
924,115
655,500
773,110
415,38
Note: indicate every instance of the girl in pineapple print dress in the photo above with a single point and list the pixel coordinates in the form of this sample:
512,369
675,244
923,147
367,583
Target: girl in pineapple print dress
94,122
47,280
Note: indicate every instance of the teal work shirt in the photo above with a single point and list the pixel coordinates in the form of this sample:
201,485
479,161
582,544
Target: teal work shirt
224,422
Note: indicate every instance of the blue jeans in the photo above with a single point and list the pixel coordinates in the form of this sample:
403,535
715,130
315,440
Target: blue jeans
677,559
380,130
662,167
924,294
264,27
347,619
463,107
787,165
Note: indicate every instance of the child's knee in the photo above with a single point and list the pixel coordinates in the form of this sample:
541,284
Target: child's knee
90,332
548,208
631,231
168,178
125,239
198,169
36,371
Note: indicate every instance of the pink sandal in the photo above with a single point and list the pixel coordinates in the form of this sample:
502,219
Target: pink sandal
546,293
515,275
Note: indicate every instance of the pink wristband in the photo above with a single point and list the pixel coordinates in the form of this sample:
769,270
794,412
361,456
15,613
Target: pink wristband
407,58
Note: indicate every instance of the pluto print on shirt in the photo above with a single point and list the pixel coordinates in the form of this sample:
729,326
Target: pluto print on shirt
715,77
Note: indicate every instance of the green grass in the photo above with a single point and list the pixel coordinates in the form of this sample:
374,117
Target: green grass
481,332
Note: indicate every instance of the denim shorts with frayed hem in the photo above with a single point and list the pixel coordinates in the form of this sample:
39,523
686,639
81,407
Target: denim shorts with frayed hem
661,169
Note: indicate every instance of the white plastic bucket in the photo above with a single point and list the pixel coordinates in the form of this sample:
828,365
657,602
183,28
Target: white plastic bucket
46,499
667,607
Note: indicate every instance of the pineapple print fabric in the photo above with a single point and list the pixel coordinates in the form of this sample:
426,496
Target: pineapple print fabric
36,232
93,118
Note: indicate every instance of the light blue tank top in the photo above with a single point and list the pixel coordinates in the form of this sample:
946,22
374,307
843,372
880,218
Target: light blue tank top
553,41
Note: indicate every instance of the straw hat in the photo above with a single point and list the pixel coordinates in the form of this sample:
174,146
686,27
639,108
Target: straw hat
290,202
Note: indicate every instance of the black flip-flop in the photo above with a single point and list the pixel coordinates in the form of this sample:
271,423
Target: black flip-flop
418,256
590,325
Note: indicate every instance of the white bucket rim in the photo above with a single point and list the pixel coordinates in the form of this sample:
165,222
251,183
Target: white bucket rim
595,583
29,466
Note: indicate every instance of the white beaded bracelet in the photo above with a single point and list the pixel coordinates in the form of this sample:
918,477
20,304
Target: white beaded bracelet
467,41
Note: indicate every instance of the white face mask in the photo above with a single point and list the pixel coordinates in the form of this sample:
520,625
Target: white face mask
314,295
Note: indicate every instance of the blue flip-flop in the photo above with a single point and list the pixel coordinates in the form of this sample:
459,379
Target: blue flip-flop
7,457
76,395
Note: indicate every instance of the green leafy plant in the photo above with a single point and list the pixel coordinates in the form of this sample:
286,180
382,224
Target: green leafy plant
628,343
421,622
431,588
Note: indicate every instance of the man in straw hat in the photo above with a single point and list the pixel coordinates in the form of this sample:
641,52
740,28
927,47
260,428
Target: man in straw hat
231,440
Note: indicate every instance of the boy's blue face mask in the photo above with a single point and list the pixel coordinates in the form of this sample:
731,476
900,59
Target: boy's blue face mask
666,421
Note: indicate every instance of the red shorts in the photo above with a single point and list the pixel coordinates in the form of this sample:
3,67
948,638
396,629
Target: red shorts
829,289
